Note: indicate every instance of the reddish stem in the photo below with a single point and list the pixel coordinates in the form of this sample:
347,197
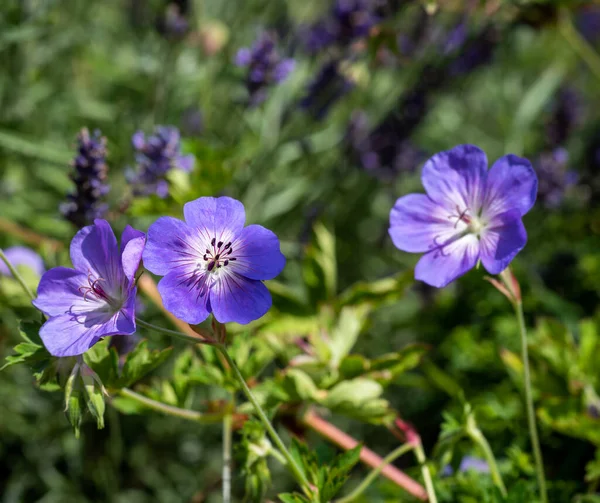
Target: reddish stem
367,456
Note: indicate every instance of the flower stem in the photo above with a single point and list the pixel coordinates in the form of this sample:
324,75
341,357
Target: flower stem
478,437
537,452
420,454
396,453
170,410
291,463
16,275
174,333
227,431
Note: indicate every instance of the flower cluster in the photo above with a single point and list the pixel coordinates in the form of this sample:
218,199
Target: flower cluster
90,171
555,176
265,67
156,156
211,263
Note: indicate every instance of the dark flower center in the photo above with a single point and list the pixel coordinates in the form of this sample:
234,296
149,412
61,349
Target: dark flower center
95,289
219,256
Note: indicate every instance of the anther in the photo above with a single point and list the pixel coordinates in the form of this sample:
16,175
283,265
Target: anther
213,241
219,244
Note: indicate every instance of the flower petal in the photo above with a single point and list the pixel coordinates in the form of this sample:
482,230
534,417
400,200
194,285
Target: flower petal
59,293
222,217
257,253
167,246
68,335
417,224
185,296
132,246
512,184
94,249
456,178
443,265
235,298
505,237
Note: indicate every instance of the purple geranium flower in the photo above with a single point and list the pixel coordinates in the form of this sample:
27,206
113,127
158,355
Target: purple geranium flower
468,214
22,256
97,298
211,263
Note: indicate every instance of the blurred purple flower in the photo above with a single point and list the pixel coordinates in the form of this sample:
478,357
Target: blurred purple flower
327,87
468,214
22,256
587,22
84,205
265,67
468,463
172,22
211,263
347,21
156,156
566,114
97,298
382,152
554,176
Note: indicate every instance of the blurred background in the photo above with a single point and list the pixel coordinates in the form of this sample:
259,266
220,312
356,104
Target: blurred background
317,115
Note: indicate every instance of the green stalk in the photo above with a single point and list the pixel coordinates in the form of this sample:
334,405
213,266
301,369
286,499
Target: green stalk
174,333
291,463
420,454
170,410
16,275
227,431
396,453
478,437
535,442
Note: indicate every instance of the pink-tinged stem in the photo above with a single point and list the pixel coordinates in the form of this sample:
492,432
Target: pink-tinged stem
367,456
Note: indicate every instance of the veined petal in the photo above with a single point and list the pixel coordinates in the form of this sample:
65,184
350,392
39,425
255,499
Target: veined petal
59,292
257,254
417,224
443,265
186,296
456,178
169,246
221,217
94,250
238,299
132,246
512,184
502,240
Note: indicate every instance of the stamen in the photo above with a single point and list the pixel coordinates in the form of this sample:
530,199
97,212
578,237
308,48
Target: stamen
219,244
213,241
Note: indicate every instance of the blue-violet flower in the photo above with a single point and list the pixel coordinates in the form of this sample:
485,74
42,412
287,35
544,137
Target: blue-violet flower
97,298
211,263
468,214
22,256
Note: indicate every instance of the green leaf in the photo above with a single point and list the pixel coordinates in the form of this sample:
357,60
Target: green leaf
140,362
344,335
74,410
306,459
353,393
95,398
325,257
333,477
104,360
293,498
299,386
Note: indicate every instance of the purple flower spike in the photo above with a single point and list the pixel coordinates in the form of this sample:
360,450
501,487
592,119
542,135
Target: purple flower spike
97,298
468,214
22,256
211,263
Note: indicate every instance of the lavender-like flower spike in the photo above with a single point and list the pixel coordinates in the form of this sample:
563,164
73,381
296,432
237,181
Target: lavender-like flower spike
326,88
85,204
22,256
468,214
156,156
211,263
95,299
265,67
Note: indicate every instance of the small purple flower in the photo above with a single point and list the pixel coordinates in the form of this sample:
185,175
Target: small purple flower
265,67
156,156
468,214
555,177
97,298
325,89
472,463
22,256
211,263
